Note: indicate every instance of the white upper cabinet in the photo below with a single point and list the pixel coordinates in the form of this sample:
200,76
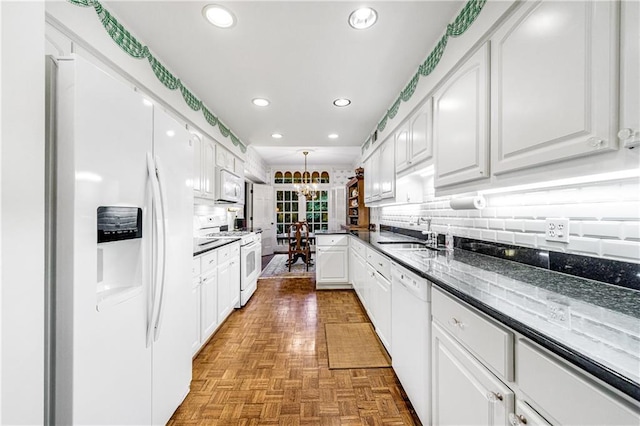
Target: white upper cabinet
386,169
403,154
414,139
203,166
554,83
225,159
461,123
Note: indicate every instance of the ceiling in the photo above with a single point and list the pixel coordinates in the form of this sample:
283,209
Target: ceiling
301,56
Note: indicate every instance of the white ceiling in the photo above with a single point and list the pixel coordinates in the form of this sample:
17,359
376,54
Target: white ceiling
301,56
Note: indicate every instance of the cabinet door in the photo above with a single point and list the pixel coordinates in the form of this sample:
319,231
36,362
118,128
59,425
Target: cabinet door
386,169
370,173
196,140
234,286
224,291
208,306
369,291
352,271
332,265
374,166
195,315
208,168
461,123
382,307
421,141
464,392
526,416
553,82
403,150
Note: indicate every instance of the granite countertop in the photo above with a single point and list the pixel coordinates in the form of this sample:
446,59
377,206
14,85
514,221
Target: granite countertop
201,247
593,325
331,231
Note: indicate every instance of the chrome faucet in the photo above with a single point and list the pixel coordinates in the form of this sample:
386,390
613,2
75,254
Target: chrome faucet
432,237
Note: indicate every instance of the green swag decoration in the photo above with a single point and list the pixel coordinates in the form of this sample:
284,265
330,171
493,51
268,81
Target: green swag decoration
135,49
465,18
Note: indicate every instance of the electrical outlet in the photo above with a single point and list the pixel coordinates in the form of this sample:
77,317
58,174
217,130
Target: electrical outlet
557,229
558,312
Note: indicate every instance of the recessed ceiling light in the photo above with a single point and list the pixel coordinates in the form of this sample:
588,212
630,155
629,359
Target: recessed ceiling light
363,18
261,102
341,102
276,136
333,136
219,16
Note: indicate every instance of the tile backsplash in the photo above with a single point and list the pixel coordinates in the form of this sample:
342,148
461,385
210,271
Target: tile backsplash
604,218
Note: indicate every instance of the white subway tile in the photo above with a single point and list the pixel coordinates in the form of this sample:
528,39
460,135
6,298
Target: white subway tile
621,249
514,225
631,230
474,233
535,226
550,245
599,229
584,245
523,239
522,212
488,212
488,235
481,223
496,224
627,210
505,237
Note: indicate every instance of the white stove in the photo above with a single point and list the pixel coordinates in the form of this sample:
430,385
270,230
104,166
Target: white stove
207,231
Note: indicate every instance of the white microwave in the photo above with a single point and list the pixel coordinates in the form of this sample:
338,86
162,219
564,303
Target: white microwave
229,187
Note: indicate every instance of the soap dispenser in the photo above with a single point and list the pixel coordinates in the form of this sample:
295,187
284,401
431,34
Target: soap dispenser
448,239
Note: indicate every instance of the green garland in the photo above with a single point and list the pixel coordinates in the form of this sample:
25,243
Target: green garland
463,21
135,49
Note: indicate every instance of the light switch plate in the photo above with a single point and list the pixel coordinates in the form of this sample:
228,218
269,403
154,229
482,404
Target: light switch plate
557,229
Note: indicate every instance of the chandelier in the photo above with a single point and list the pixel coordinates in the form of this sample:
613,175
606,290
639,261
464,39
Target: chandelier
307,189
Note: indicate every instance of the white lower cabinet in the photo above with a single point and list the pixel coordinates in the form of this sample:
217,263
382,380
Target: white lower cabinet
332,261
215,291
208,305
565,395
464,392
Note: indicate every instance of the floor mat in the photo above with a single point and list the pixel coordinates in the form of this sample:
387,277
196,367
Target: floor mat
355,345
278,268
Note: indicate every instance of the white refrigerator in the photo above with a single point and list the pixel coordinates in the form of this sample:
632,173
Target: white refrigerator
123,249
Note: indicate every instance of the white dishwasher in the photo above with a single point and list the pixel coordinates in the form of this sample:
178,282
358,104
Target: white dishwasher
411,337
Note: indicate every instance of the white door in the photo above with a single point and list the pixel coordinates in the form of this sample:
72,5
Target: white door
173,151
264,216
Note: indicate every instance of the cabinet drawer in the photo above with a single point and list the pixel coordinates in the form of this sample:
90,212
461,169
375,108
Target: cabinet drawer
224,254
567,395
358,247
195,266
379,262
209,261
234,250
332,240
486,339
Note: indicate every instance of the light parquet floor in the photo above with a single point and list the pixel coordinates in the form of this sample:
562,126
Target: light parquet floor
268,365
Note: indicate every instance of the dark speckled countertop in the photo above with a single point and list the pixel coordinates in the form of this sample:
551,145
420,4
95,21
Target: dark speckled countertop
203,245
593,325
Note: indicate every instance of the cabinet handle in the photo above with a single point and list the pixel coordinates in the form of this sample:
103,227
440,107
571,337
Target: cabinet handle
494,396
517,419
595,142
380,264
456,323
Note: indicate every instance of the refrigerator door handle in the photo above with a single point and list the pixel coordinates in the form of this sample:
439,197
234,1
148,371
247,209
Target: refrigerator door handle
163,233
156,249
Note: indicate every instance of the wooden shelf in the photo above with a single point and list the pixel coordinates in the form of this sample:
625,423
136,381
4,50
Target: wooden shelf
357,215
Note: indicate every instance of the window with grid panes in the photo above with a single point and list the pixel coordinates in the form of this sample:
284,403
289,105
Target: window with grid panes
286,209
318,212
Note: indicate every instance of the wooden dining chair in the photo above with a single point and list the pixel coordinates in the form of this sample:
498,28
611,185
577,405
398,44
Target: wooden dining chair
299,246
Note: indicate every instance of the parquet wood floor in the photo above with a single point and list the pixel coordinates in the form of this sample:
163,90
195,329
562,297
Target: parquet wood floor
268,365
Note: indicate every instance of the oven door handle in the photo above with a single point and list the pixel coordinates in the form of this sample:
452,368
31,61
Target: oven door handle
250,246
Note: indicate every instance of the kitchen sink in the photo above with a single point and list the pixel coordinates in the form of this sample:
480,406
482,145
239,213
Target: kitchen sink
407,245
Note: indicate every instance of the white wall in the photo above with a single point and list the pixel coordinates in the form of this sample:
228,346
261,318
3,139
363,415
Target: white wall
22,212
604,218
